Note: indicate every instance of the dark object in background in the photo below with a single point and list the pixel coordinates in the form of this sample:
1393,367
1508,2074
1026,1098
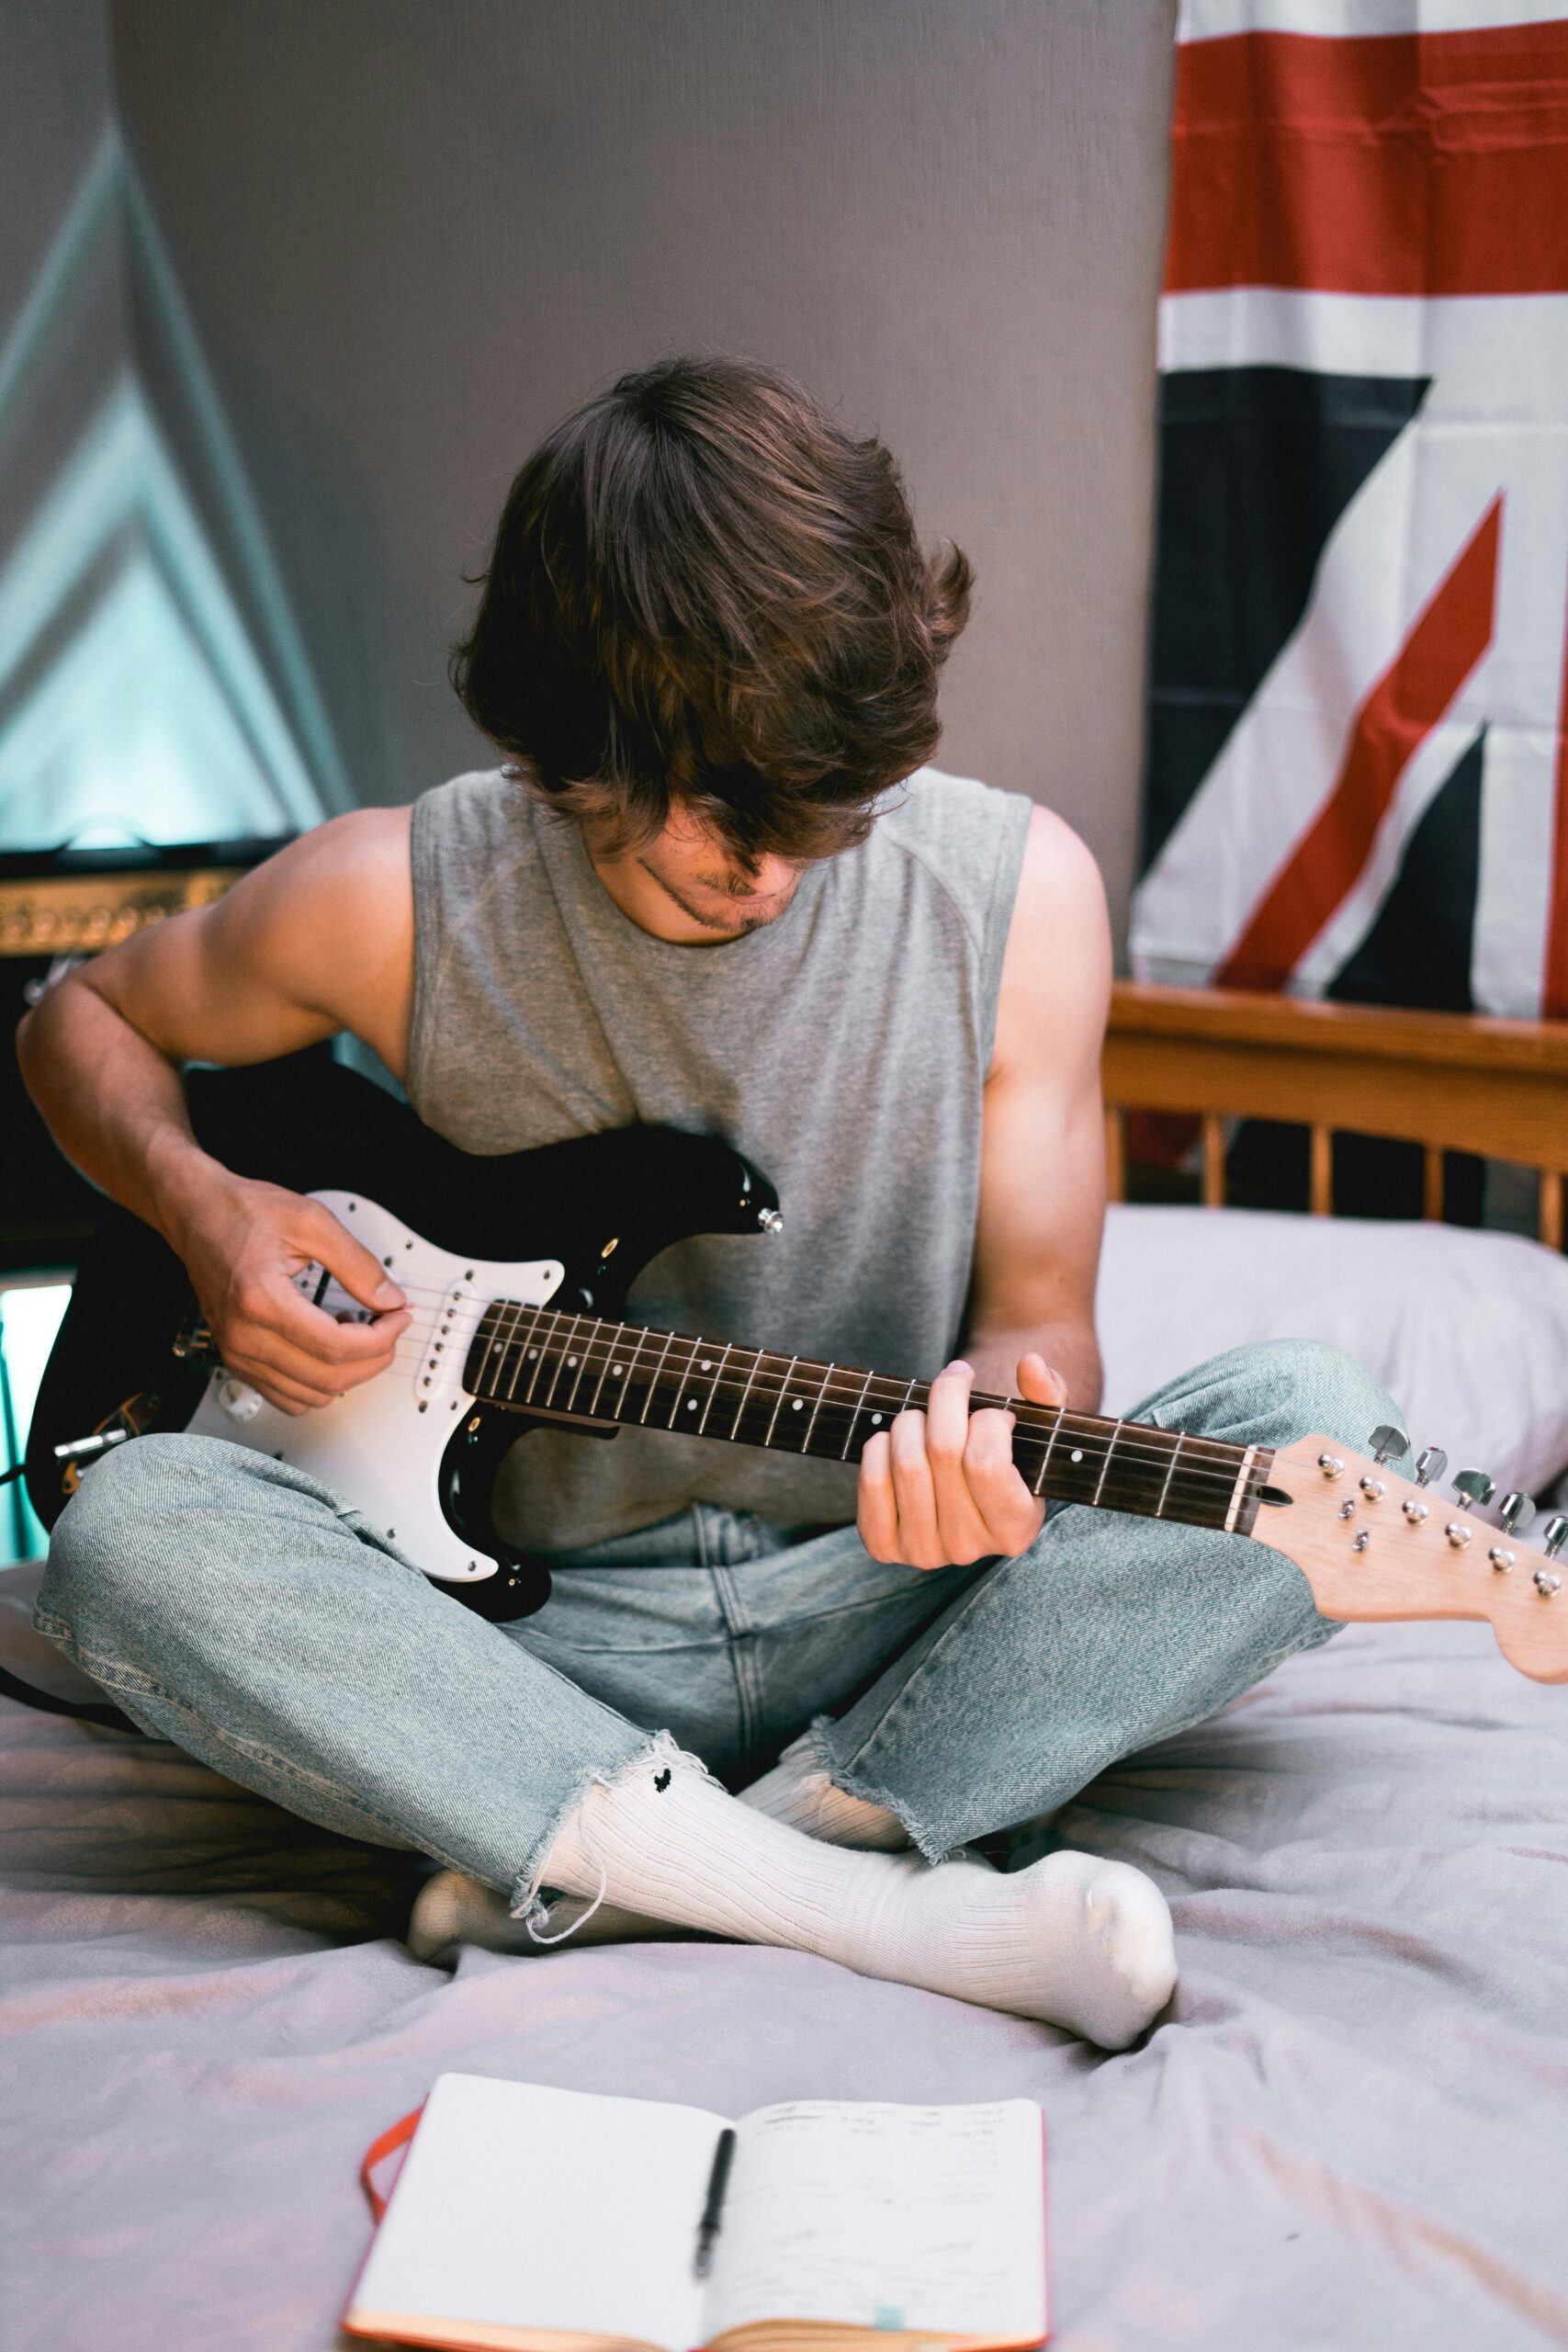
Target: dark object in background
57,907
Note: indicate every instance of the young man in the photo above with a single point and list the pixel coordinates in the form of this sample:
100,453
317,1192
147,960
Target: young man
713,885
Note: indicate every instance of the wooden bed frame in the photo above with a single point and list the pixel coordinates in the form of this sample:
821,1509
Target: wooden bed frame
1447,1081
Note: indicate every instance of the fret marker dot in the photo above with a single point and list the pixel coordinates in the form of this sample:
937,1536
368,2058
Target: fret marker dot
572,1364
874,1419
691,1404
531,1353
708,1367
798,1402
1076,1454
615,1370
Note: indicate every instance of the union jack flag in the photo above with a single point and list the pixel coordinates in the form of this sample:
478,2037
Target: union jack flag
1358,778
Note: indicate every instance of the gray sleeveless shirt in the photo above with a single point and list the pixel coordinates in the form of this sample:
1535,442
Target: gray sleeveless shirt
842,1048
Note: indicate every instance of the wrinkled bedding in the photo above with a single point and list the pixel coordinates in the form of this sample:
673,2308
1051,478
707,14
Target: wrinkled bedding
1350,2129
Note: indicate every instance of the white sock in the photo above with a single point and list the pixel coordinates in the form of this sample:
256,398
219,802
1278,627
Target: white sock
1073,1940
451,1909
797,1790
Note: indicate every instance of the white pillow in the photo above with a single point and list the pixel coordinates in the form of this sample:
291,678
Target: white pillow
1467,1330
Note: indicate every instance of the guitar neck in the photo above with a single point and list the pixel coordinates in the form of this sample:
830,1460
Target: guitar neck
577,1369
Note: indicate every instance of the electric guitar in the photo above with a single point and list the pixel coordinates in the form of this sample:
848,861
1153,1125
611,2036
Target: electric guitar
516,1270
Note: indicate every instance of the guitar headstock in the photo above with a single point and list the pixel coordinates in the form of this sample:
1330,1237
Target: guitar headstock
1374,1545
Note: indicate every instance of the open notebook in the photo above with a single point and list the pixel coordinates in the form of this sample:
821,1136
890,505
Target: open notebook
556,2220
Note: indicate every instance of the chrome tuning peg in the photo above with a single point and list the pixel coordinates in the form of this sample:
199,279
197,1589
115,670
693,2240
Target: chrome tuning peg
1474,1487
1385,1442
1514,1512
1430,1464
1553,1535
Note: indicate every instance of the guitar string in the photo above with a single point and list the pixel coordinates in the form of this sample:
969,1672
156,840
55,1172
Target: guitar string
1084,1432
1091,1429
597,1351
413,1341
554,1355
846,1380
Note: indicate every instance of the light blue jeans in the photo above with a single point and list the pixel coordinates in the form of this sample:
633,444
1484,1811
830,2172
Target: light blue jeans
238,1608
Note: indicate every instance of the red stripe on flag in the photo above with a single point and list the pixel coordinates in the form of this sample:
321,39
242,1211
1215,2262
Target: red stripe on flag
1406,703
1396,163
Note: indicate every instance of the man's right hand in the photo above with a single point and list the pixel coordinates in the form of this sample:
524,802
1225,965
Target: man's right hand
244,1243
319,938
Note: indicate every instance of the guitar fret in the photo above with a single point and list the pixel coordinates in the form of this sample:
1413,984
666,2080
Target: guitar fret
1169,1475
778,1400
492,1371
585,1355
512,1354
1109,1450
561,1362
654,1384
860,1408
627,1376
811,1424
609,1353
713,1391
681,1390
541,1353
1050,1449
514,1339
756,1365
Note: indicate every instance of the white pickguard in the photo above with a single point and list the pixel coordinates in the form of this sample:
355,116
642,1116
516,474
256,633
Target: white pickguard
381,1446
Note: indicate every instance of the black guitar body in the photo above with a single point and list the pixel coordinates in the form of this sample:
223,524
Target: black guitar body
604,1204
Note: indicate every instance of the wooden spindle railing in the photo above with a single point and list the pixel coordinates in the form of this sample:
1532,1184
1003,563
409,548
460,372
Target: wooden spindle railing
1447,1081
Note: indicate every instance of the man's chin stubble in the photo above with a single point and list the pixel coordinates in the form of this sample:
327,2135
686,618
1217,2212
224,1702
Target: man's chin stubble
715,923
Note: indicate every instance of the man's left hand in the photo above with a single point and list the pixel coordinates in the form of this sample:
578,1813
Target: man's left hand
939,1490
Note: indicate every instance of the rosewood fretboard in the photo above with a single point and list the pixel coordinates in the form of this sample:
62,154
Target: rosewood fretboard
575,1368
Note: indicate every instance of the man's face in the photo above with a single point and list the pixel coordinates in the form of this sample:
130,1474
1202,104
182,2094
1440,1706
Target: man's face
687,884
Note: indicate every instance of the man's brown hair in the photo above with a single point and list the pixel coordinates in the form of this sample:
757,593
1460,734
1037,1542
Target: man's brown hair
703,591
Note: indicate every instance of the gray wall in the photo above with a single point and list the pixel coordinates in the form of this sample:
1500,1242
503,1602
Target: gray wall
54,108
63,333
413,233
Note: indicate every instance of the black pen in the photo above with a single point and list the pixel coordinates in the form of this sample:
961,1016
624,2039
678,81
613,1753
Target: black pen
719,2181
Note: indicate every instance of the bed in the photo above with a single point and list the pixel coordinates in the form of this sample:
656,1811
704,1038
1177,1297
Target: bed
1347,2130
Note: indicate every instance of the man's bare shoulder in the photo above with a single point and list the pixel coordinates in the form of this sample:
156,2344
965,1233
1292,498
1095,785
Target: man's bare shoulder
1056,986
364,851
335,911
356,866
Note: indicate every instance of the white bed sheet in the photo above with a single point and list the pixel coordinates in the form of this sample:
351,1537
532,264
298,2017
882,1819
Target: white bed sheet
1348,2131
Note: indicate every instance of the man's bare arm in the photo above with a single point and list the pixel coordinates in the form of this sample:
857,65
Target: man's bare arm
317,940
1042,1153
941,1487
